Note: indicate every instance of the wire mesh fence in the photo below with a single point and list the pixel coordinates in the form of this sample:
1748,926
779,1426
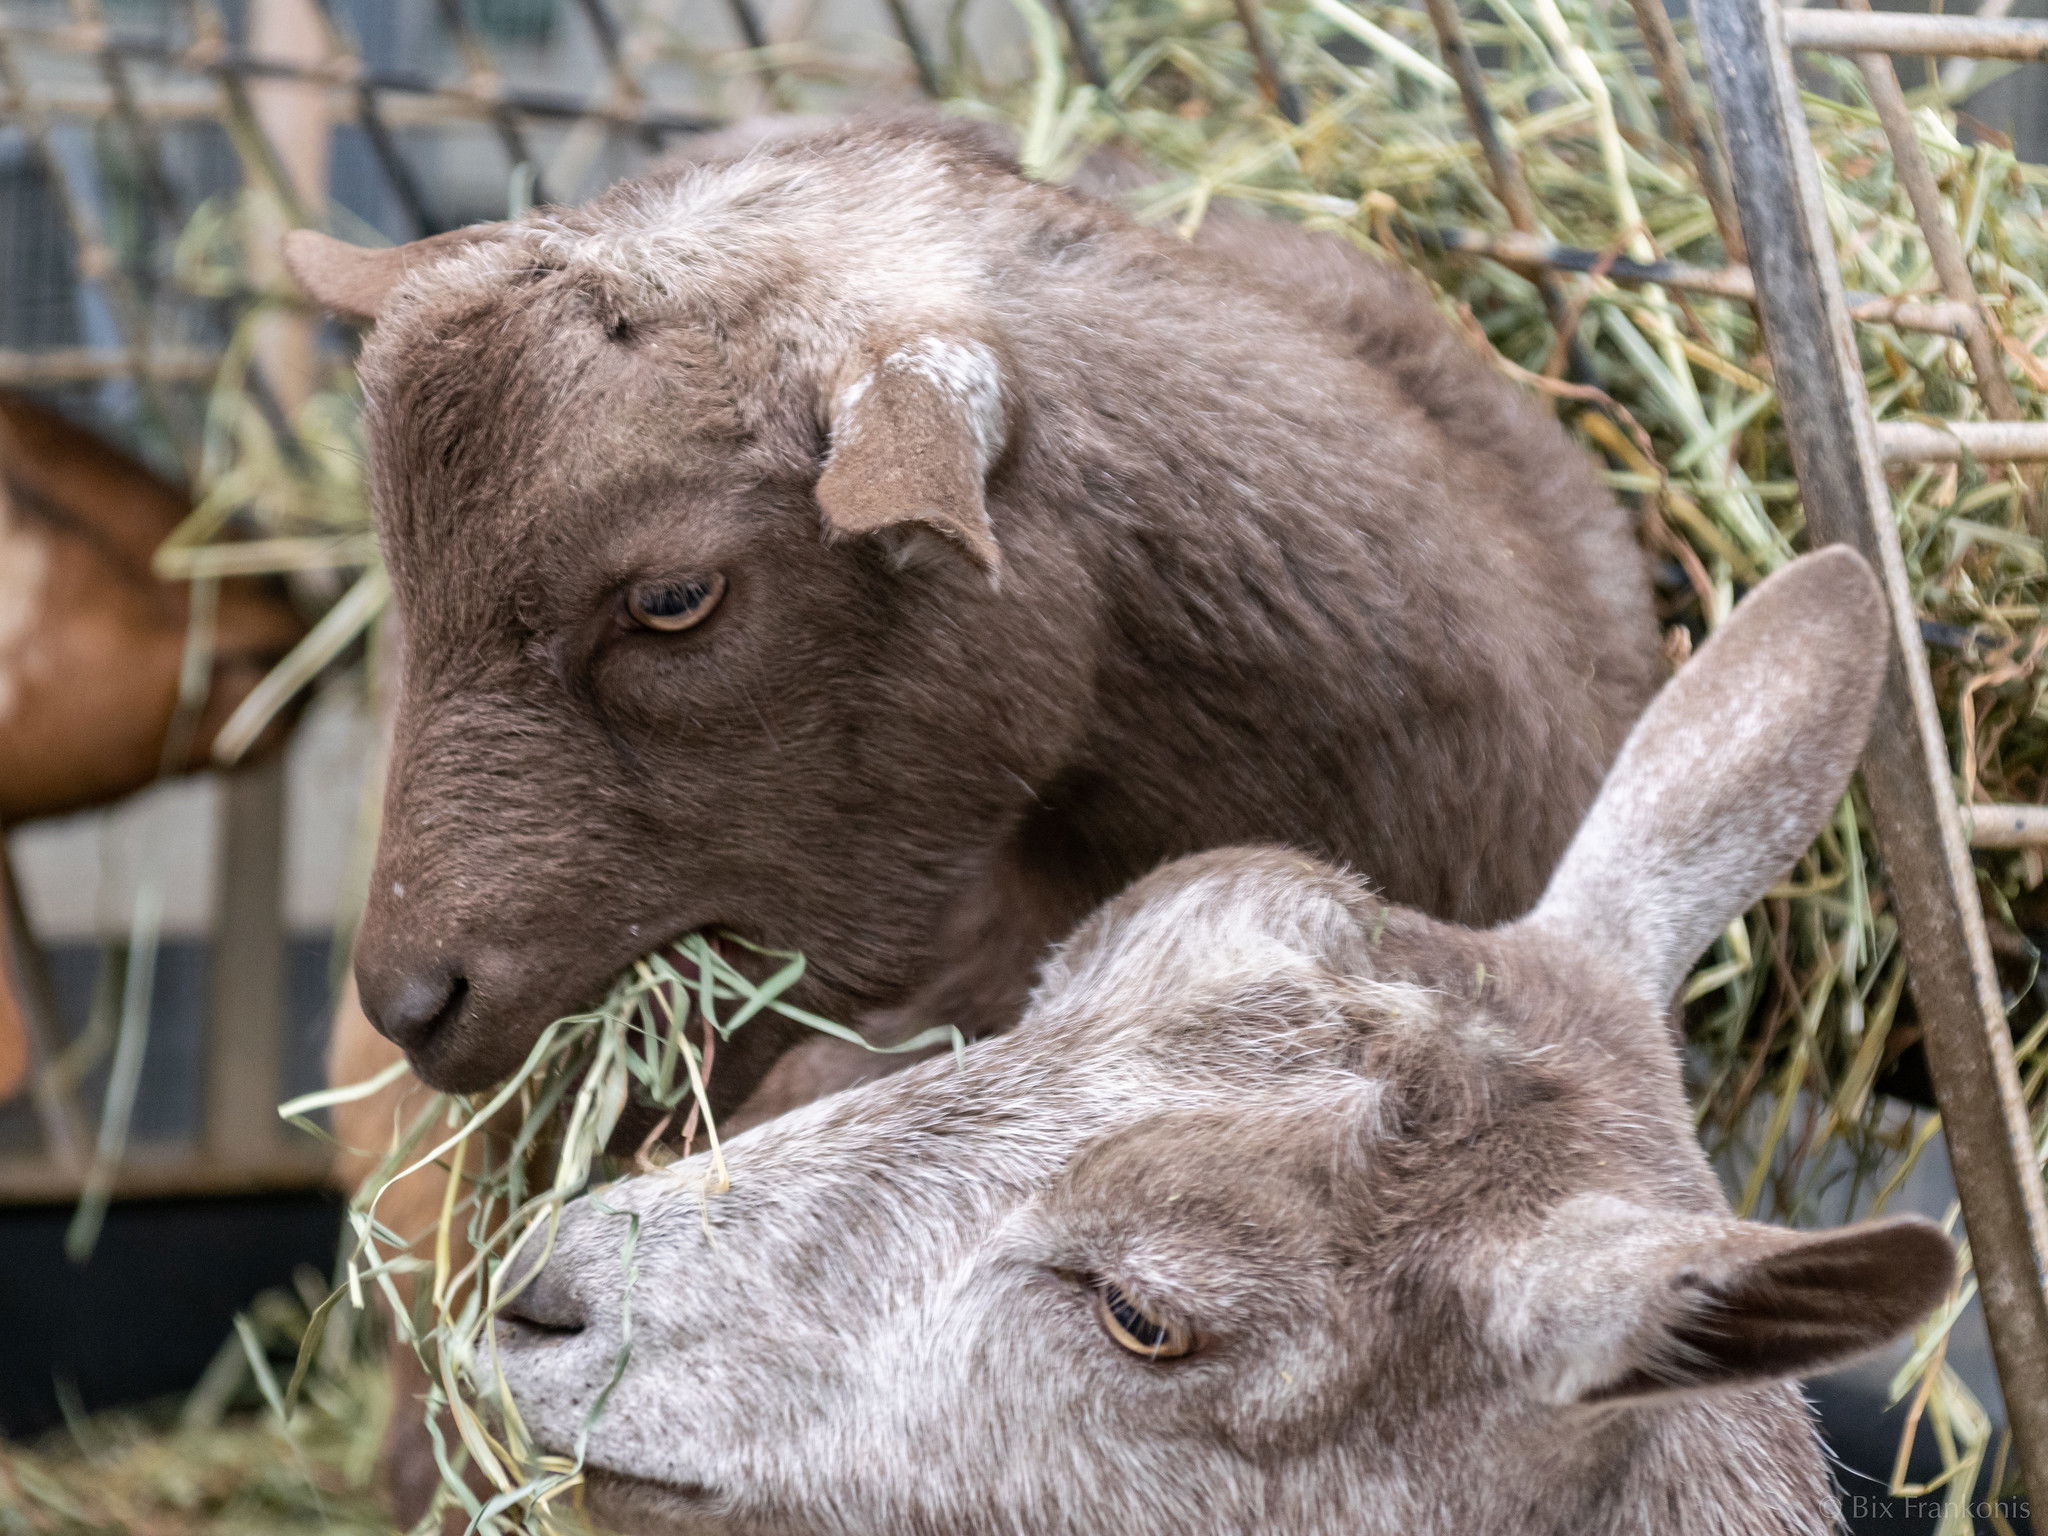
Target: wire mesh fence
123,121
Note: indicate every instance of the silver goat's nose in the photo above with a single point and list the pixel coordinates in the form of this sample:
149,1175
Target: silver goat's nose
544,1306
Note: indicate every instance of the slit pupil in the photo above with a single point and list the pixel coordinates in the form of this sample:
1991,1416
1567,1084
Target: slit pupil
1134,1322
673,602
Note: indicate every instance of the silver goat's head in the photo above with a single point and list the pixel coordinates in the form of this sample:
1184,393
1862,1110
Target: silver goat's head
1284,1210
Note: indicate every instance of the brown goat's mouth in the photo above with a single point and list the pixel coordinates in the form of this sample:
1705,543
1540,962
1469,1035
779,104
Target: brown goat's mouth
446,1061
718,936
642,1120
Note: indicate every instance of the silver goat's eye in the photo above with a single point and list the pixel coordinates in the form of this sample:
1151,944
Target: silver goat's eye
674,605
1132,1328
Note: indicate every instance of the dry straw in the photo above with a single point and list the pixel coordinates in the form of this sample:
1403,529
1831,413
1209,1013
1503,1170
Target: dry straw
200,1468
1800,1026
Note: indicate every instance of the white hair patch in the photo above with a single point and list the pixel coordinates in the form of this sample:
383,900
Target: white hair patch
967,373
852,395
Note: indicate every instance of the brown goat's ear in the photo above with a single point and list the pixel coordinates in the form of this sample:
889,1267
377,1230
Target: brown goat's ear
353,281
913,434
1728,775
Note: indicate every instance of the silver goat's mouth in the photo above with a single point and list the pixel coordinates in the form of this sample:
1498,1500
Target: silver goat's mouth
631,1502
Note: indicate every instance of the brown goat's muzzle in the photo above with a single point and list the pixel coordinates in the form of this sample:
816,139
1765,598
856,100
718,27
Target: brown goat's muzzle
465,1015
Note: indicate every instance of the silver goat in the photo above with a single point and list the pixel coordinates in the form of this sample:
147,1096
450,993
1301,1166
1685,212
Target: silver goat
1284,1210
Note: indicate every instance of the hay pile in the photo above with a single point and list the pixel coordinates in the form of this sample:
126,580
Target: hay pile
222,1463
1798,1018
144,1475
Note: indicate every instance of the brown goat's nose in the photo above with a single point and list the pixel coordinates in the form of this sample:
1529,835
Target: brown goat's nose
412,1007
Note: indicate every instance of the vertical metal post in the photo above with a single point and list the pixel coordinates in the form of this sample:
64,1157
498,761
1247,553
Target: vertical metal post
914,44
1504,168
1667,59
1086,55
1273,84
291,147
1944,244
1905,772
245,1044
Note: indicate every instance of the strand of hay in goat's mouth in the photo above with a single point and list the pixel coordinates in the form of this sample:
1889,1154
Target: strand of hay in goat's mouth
514,1158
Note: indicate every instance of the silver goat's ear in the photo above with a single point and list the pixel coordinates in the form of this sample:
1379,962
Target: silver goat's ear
353,281
915,427
1613,1303
1729,774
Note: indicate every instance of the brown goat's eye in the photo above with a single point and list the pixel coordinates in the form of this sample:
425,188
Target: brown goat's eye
672,605
1135,1329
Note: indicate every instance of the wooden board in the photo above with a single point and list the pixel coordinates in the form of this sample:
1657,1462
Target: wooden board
13,1014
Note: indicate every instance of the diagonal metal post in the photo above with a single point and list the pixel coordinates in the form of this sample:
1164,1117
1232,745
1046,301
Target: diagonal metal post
1905,772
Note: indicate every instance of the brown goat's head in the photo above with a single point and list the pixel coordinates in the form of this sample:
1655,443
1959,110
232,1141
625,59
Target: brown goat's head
1283,1209
645,690
91,640
860,546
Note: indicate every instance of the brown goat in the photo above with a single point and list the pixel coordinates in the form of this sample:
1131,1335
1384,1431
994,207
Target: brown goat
1128,549
858,546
